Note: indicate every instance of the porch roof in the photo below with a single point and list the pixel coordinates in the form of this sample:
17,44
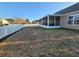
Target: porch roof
49,15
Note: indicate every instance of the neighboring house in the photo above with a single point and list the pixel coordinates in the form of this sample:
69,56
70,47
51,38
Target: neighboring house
6,22
3,22
21,21
67,18
11,21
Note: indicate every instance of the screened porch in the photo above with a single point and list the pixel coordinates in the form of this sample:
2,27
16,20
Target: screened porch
50,22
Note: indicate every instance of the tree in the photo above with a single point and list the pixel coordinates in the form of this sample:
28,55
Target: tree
27,20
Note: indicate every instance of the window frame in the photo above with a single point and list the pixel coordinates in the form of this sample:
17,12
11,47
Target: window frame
72,20
76,20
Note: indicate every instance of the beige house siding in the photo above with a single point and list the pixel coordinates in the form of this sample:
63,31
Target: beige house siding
10,21
64,24
3,22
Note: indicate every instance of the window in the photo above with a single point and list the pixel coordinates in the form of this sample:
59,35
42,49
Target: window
70,20
76,20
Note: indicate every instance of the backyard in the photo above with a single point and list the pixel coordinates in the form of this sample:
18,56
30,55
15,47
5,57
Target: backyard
40,42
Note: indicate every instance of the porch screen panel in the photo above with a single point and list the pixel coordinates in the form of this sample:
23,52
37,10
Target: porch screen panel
51,21
57,21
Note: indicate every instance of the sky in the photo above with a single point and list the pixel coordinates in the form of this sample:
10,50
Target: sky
31,10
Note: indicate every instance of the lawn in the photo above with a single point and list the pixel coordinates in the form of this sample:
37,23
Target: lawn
40,42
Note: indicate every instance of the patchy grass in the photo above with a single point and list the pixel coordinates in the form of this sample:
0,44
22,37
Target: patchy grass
40,42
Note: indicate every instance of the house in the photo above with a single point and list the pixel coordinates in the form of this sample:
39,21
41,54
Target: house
66,18
11,21
6,21
21,21
3,22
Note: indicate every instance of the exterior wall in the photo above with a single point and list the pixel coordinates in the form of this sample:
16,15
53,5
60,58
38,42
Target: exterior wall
1,23
64,22
4,22
43,21
11,21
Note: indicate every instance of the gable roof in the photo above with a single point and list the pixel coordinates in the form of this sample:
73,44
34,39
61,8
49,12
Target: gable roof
69,9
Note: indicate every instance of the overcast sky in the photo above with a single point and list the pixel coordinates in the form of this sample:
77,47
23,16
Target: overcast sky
30,10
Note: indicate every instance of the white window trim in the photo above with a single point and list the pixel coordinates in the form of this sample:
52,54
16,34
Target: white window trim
73,19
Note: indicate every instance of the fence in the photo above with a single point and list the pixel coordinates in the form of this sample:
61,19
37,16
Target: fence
7,30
